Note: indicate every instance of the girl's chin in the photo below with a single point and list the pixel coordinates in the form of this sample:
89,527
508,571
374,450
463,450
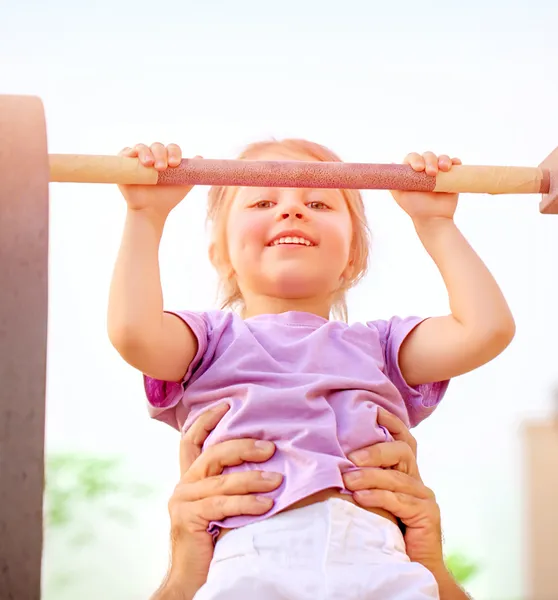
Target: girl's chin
297,286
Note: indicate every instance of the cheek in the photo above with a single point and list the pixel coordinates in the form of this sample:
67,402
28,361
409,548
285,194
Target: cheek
338,237
246,234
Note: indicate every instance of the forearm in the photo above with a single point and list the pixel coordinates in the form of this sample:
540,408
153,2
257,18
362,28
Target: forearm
173,590
136,297
181,582
188,569
448,588
177,589
475,299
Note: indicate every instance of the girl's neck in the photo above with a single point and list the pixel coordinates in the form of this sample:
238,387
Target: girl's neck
263,305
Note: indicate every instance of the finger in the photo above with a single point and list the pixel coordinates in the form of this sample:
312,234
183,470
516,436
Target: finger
192,442
228,454
409,509
415,160
195,516
129,152
456,161
431,163
400,505
160,156
200,429
221,507
386,455
386,479
174,153
232,484
144,154
397,428
444,162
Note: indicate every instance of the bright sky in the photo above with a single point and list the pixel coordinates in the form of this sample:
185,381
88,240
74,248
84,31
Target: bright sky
371,80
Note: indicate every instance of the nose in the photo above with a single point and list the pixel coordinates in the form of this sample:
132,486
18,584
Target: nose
291,213
291,207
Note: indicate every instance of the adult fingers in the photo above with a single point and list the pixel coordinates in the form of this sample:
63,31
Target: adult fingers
232,484
220,507
386,455
228,454
386,479
406,507
192,441
397,428
215,508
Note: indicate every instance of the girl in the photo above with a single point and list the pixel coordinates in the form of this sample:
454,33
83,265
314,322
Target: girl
286,258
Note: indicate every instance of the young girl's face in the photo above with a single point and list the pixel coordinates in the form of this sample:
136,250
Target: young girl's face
289,243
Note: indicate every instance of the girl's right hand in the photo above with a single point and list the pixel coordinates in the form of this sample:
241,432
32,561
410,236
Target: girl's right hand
158,198
204,494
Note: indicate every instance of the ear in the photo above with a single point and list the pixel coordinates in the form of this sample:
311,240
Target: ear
212,253
220,264
349,270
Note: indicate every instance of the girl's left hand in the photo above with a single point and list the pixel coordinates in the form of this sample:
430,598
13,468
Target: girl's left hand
390,479
427,205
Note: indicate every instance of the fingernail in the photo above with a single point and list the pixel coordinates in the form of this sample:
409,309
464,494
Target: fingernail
352,476
262,445
271,476
160,165
363,493
220,408
264,500
358,456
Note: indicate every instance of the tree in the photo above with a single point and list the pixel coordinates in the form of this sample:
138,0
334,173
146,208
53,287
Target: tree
80,489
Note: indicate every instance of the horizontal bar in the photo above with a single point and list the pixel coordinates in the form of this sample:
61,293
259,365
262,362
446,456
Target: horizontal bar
198,171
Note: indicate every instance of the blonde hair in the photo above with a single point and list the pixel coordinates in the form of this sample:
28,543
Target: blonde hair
219,202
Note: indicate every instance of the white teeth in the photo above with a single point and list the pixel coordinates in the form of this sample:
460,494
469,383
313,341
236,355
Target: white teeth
292,240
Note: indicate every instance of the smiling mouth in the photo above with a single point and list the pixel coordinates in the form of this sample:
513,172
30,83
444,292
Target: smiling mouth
291,241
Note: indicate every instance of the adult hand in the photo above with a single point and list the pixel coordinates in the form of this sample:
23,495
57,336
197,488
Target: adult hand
389,478
204,494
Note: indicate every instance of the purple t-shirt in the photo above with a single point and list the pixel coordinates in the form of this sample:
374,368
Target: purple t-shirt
310,385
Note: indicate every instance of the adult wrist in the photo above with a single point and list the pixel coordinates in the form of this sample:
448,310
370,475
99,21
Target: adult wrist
439,570
180,586
189,567
448,587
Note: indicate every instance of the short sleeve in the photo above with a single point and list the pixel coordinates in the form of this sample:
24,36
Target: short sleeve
163,397
421,400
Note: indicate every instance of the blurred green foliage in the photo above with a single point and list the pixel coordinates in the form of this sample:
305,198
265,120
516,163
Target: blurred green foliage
461,567
74,481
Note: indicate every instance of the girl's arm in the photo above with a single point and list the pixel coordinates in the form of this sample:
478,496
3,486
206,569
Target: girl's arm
156,343
480,325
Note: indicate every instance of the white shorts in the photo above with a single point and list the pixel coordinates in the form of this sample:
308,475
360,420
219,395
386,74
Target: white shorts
328,550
